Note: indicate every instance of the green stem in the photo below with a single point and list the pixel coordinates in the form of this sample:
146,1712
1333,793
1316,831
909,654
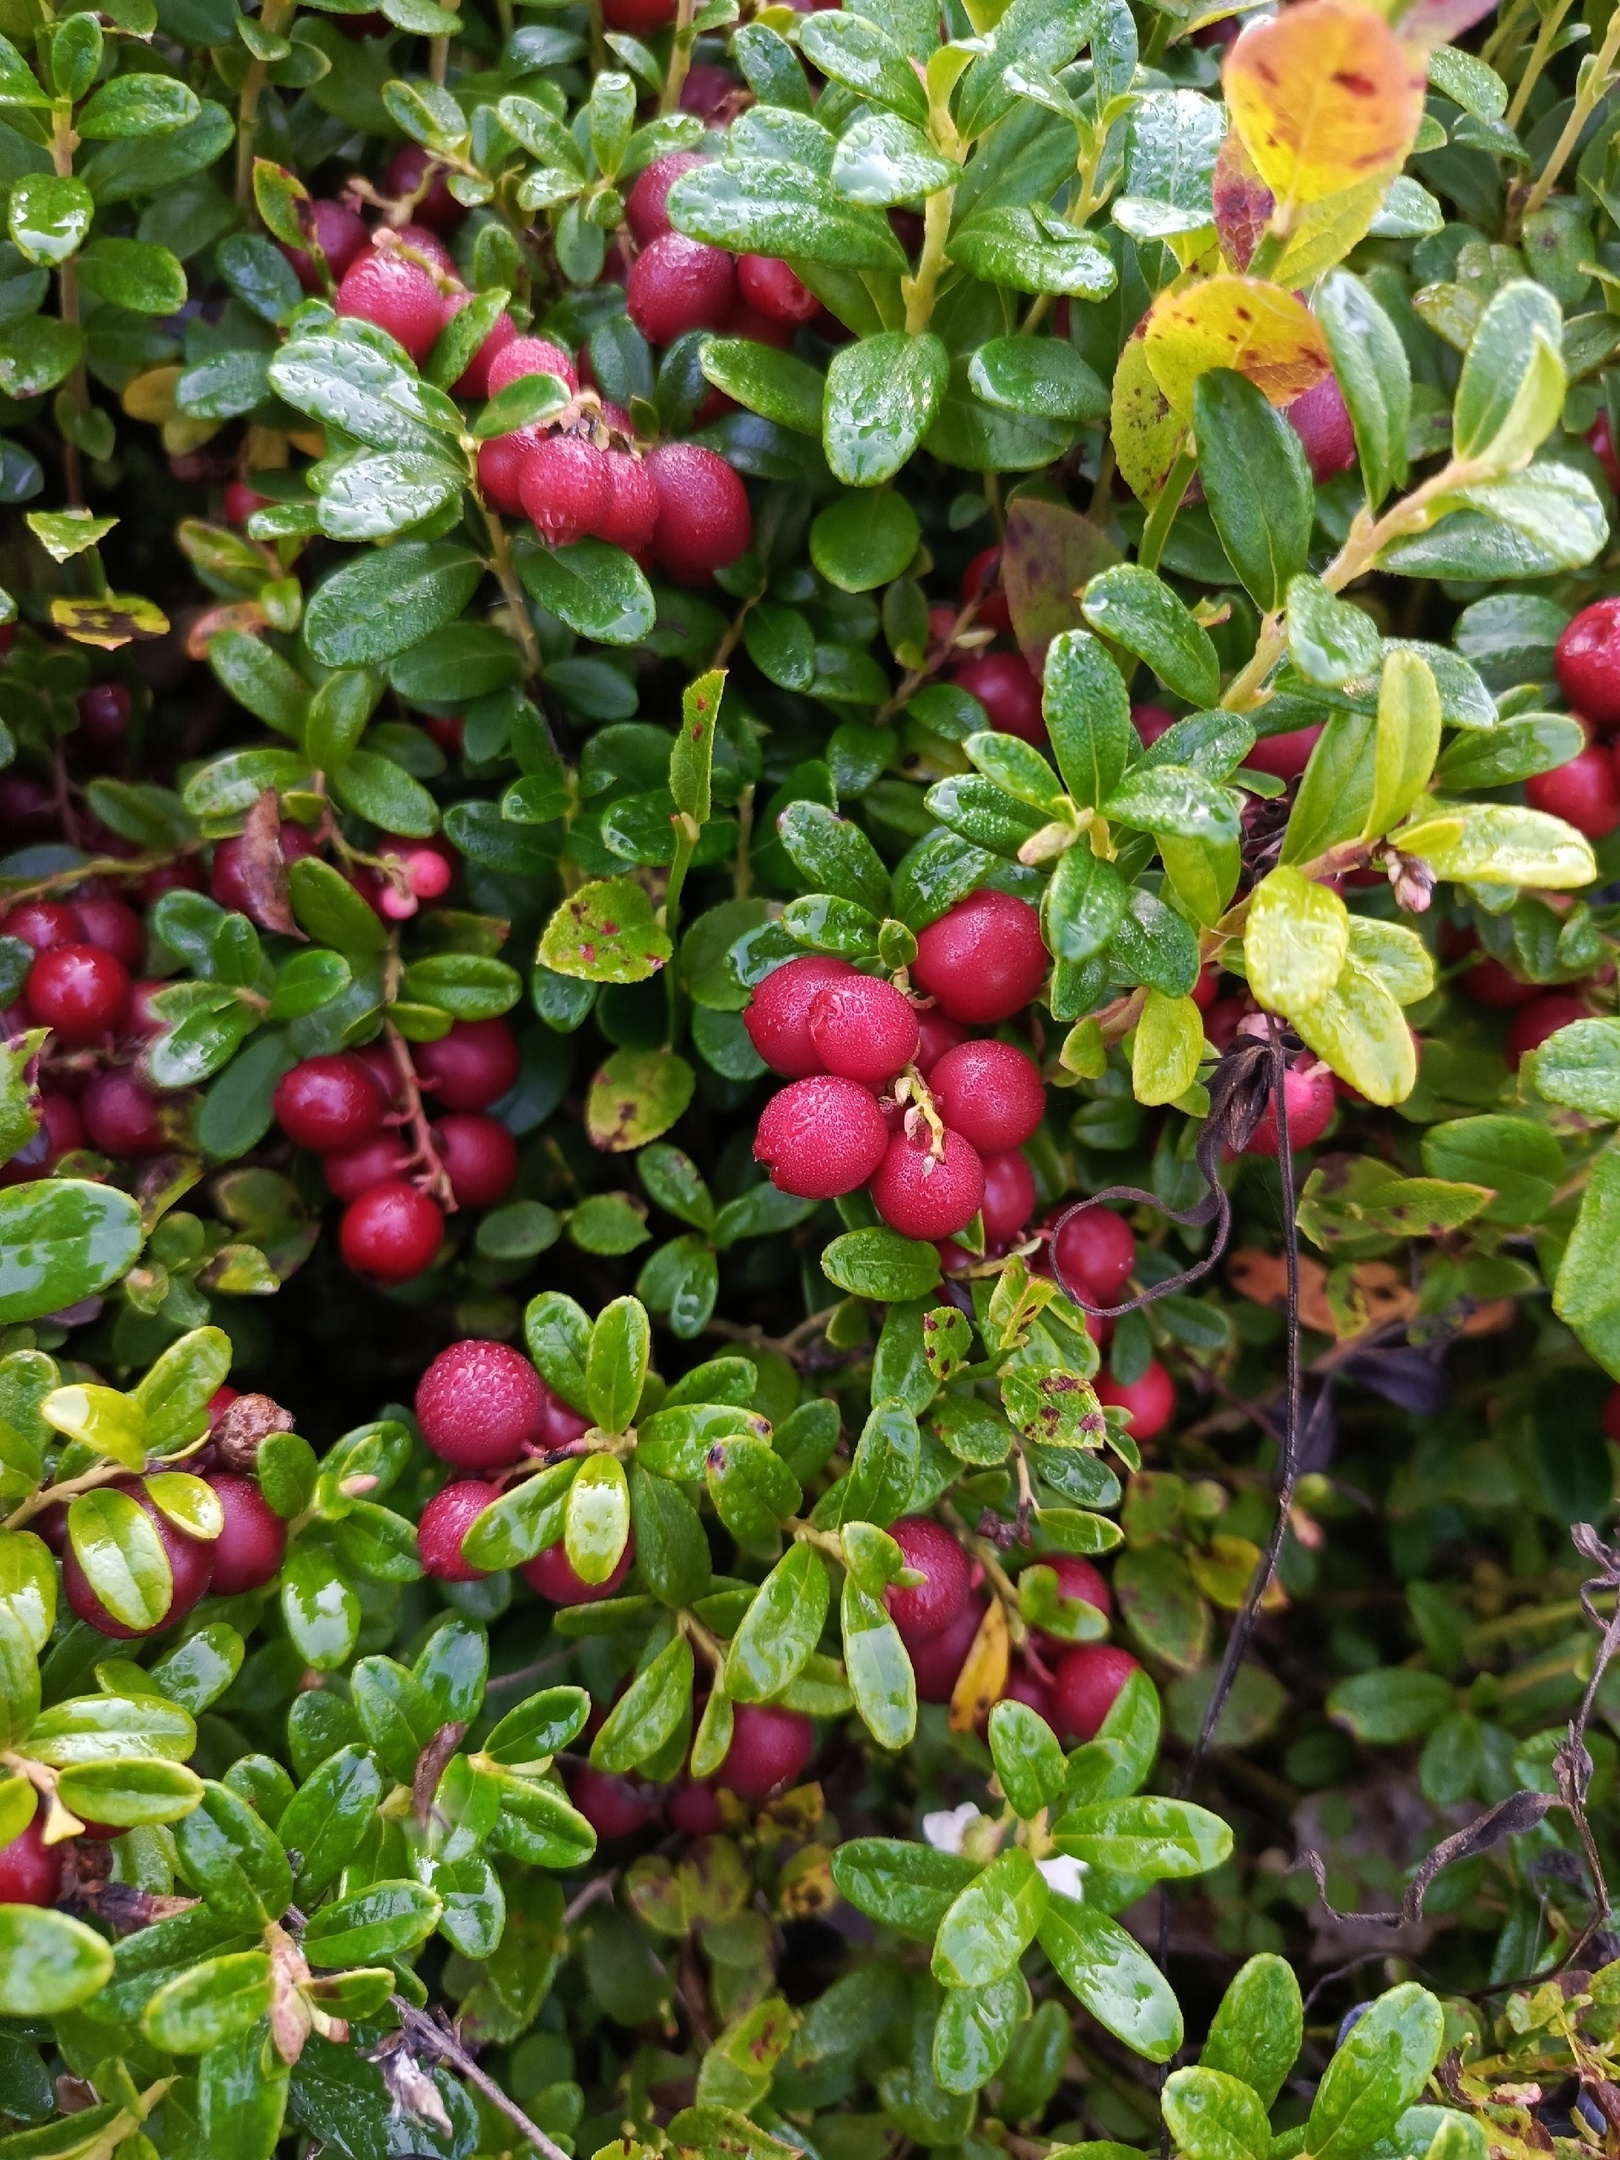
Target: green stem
273,18
921,291
1594,86
500,562
680,57
1163,514
1540,53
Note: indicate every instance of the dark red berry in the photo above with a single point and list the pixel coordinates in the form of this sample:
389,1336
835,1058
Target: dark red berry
778,1014
1207,988
1009,1196
43,924
566,488
1285,757
241,501
644,210
1150,722
530,356
31,1870
329,1102
114,927
191,1564
615,1807
769,1747
473,382
1151,1400
631,516
551,1572
228,882
1321,420
471,1067
480,1155
1096,1251
435,207
927,1196
1532,1024
1588,662
981,581
104,716
480,1404
398,296
79,991
989,1092
446,1519
772,290
707,90
27,806
1023,1687
1601,444
1489,983
937,1033
1584,793
501,461
60,1130
340,234
928,1608
1308,1093
1084,1689
121,1117
219,1402
704,521
250,1549
378,1161
168,877
692,1808
938,1662
983,960
863,1029
391,1233
1005,686
821,1137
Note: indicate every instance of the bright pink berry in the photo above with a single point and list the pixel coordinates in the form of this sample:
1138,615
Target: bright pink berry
1151,1400
79,991
983,960
250,1549
1532,1024
1321,420
566,488
117,929
480,1155
446,1519
981,581
340,234
398,296
938,1662
863,1029
241,501
43,924
778,1014
480,1404
471,1067
927,1196
436,207
191,1564
329,1102
427,865
1150,722
820,1137
104,716
769,1747
631,516
381,1160
1588,662
1005,686
1009,1196
615,1807
1308,1093
530,356
121,1117
501,462
1285,757
1584,793
1084,1689
228,882
704,521
31,1870
552,1573
644,210
989,1092
473,382
771,288
928,1608
391,1233
1096,1251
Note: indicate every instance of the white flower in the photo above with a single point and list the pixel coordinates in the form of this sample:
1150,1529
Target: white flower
1065,1875
947,1828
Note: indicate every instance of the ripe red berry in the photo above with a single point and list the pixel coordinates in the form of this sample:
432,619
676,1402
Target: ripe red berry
1285,757
227,881
501,462
530,356
104,716
778,1014
446,1519
771,288
1601,444
645,210
428,865
31,1870
704,521
1588,662
1150,1400
1321,420
191,1564
1489,983
250,1549
1150,722
937,1033
471,1067
391,1233
1308,1093
43,924
1096,1251
1207,988
820,1137
241,501
473,381
613,1806
707,90
1532,1024
1084,1689
435,207
981,581
480,1404
381,1160
1023,1687
989,1092
329,1102
928,1608
1585,792
938,1662
1005,686
219,1402
340,234
1009,1196
398,296
121,1117
60,1129
551,1572
79,991
678,285
692,1808
769,1747
480,1155
983,960
435,257
566,488
1079,1580
114,927
927,1196
631,516
863,1029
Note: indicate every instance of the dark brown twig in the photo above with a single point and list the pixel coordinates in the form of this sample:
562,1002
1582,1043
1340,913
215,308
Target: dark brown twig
427,2033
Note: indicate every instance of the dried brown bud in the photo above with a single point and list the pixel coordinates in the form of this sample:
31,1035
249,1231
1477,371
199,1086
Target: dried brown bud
243,1425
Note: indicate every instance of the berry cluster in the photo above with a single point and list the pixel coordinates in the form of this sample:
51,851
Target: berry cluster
1585,792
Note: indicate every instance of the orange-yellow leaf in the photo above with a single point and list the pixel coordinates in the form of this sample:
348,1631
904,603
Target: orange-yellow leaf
1146,433
1260,330
1324,95
980,1682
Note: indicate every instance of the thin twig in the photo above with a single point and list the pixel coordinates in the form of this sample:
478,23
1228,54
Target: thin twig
425,2032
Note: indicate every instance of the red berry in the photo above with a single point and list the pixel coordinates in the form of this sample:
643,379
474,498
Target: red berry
1321,420
1532,1024
1584,792
480,1155
381,1160
704,521
938,1662
79,991
551,1572
645,210
1150,1400
391,1233
329,1102
566,488
1610,1419
1285,757
191,1563
43,924
1023,1687
1207,988
219,1402
340,234
60,1130
227,881
989,1092
480,1404
168,877
530,356
769,1747
1308,1093
613,1806
678,285
121,1117
446,1519
473,381
692,1808
31,1870
1084,1688
428,865
937,1033
927,1196
1096,1251
1601,444
771,288
928,1608
27,806
821,1137
437,258
983,960
104,716
115,928
501,461
1150,722
1079,1580
396,295
1223,1019
250,1549
863,1029
1005,686
241,501
471,1067
707,90
631,516
1489,983
778,1014
436,207
1588,662
1009,1196
981,581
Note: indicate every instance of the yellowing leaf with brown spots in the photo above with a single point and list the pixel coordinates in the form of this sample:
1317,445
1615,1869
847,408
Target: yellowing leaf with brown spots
1257,329
1146,432
984,1676
1325,96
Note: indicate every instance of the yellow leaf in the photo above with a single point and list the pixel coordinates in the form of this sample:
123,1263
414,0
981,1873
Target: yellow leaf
1407,742
109,622
1325,97
982,1678
1360,1031
1147,434
150,397
1325,233
1295,941
1168,1049
1234,322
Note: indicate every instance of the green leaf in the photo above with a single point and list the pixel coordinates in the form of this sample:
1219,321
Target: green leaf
62,1240
1375,375
1138,610
1296,940
860,540
909,1887
1113,1976
209,2004
133,274
1258,2027
389,600
992,1923
1164,1839
48,217
388,1919
1257,482
1406,743
136,105
1042,376
1329,641
593,587
883,160
1377,2074
652,1709
1168,1049
1028,1759
758,206
606,932
596,1522
1015,248
1385,1708
781,1627
48,1962
773,384
880,1263
880,1674
1579,1067
1544,519
1213,2116
1511,390
882,395
1088,715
